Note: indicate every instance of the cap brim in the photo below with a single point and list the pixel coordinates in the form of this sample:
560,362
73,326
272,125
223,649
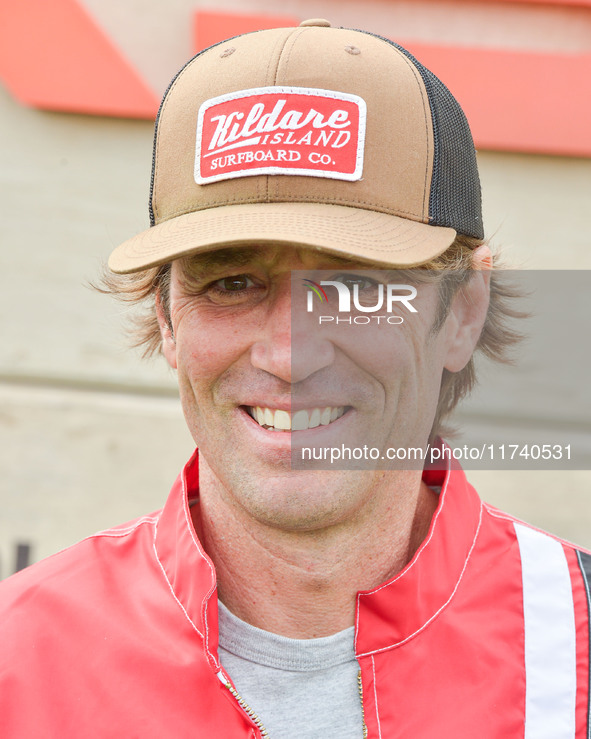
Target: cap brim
365,235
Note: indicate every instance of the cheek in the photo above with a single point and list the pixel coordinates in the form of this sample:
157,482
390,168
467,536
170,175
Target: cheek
411,370
404,355
205,347
401,341
207,355
200,367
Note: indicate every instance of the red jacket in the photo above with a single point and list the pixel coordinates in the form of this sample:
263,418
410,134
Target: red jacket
485,633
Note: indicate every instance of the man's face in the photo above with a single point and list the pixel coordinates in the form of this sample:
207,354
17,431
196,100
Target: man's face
245,367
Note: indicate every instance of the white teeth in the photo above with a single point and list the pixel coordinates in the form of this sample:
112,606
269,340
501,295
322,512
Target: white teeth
314,419
299,421
282,420
279,420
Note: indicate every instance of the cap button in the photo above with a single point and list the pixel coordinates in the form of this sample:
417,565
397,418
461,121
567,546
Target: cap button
316,22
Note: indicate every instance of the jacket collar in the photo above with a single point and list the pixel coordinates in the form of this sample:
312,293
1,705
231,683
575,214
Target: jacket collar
189,571
387,616
402,607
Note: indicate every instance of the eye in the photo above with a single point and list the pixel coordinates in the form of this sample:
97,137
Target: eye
234,283
361,281
236,290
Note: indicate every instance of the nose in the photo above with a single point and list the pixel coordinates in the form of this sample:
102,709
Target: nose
289,346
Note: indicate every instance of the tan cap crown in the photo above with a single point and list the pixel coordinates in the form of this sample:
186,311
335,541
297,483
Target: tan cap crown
313,136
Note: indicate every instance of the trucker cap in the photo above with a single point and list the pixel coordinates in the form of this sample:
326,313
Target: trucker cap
330,138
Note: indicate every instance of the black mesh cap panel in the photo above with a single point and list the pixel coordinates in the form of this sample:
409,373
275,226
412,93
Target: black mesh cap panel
455,199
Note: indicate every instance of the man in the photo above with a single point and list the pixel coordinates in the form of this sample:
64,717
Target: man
270,597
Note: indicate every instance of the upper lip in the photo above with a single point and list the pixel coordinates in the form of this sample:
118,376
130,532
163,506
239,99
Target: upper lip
293,407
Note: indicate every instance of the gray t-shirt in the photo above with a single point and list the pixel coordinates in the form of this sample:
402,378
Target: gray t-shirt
299,688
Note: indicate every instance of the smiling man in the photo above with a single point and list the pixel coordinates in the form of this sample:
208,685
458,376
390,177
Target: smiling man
276,594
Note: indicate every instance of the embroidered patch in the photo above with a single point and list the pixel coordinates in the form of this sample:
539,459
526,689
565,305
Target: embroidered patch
280,130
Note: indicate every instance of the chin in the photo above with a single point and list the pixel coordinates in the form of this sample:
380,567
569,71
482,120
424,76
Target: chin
302,500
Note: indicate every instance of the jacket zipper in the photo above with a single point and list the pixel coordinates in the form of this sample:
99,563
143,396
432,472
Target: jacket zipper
257,721
244,705
360,686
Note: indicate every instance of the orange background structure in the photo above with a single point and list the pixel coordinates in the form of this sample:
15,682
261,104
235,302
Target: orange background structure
56,56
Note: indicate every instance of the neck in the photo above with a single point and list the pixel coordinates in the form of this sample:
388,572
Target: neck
303,583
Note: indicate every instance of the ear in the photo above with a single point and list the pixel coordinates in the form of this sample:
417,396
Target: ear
468,312
168,340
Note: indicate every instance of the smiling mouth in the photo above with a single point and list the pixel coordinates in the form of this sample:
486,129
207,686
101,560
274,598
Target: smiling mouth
279,420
